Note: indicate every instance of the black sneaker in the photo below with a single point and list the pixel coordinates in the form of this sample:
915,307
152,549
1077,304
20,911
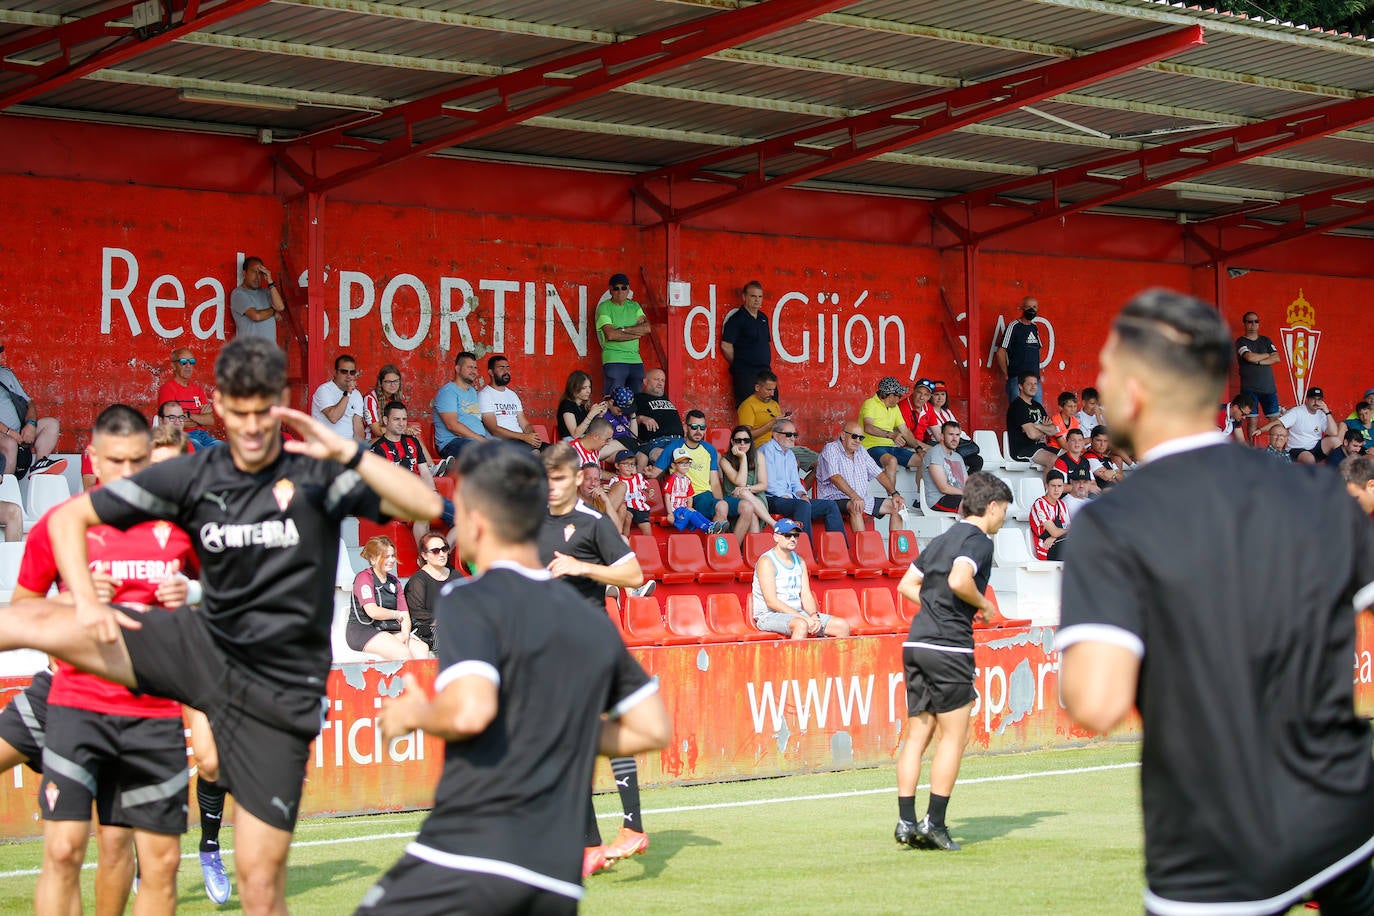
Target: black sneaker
906,834
933,837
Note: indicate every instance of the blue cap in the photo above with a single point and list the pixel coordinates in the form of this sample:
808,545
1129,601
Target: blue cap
786,526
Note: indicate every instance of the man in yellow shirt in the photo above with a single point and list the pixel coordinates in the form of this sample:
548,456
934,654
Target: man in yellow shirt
886,436
761,409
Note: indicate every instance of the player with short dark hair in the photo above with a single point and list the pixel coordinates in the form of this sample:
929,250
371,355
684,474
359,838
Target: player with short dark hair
582,545
265,520
948,580
519,700
1234,641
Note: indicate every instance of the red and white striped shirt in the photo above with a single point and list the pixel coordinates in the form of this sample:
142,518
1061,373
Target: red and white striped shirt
584,455
636,491
677,492
1042,511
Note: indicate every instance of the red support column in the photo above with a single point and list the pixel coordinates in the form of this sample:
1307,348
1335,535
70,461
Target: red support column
672,334
316,360
975,342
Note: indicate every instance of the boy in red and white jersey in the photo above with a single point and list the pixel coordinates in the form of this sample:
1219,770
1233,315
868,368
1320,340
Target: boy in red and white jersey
630,489
1049,521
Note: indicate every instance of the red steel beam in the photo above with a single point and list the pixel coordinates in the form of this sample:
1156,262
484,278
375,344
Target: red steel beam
896,126
1297,227
547,86
122,42
1145,170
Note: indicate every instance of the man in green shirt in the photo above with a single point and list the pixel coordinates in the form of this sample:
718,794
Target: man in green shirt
620,322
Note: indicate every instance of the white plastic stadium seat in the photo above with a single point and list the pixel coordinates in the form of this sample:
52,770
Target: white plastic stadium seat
11,553
1038,582
1032,488
989,448
46,491
1009,462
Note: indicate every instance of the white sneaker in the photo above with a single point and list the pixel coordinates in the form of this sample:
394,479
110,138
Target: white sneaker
645,590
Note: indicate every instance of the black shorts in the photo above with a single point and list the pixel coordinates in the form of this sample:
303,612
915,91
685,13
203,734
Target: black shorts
262,729
937,681
414,887
24,720
133,768
639,516
357,635
876,511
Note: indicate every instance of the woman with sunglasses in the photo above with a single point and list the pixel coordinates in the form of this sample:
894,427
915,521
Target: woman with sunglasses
968,449
379,618
745,475
387,389
576,411
422,589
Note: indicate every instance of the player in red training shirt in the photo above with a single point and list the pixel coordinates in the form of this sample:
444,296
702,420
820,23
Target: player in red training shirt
124,751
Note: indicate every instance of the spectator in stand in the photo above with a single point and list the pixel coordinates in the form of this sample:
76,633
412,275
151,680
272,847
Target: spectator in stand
745,475
629,494
1351,445
503,414
400,447
1065,419
1079,494
168,442
387,389
1231,417
338,404
886,436
786,494
678,494
576,409
704,474
170,414
620,323
1278,445
1019,351
918,412
1075,459
968,449
1090,412
844,473
1360,421
256,302
781,599
197,411
1312,431
1358,473
1368,399
945,471
1028,427
592,491
379,619
1256,355
1102,461
761,409
12,520
458,409
26,439
593,442
1049,523
624,423
659,421
746,341
422,588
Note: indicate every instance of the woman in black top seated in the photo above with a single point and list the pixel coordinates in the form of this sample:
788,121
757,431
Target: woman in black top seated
422,589
576,409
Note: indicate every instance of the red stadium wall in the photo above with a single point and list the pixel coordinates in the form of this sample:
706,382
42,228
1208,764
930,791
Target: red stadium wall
125,243
738,710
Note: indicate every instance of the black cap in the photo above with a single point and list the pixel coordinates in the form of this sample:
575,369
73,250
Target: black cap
618,280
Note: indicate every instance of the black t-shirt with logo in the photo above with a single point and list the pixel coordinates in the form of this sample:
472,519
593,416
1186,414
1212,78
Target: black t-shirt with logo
1018,414
662,412
268,545
583,534
1022,343
1256,772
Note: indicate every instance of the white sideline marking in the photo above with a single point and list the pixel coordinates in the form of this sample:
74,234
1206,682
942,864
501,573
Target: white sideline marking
1012,777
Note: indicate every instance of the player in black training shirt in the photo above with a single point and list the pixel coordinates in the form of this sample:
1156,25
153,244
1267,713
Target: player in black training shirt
264,520
583,546
1234,640
948,580
519,698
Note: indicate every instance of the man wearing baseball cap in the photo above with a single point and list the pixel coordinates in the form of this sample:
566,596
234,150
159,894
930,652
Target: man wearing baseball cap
620,322
782,600
1312,431
886,435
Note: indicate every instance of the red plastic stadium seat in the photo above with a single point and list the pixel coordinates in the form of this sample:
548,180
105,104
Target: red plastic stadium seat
444,486
725,616
644,622
685,555
870,556
803,550
756,544
835,562
880,609
901,546
687,622
401,535
655,494
723,555
646,551
844,604
613,611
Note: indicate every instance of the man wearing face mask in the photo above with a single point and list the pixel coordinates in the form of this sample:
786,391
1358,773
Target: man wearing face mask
1020,349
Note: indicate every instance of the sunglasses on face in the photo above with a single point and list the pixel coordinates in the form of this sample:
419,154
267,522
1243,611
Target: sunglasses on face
791,536
741,441
175,418
618,287
437,550
188,361
786,435
855,436
696,425
347,371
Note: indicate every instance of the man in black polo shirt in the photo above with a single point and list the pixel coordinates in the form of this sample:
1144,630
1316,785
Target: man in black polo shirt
264,519
747,341
519,699
1233,640
584,547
